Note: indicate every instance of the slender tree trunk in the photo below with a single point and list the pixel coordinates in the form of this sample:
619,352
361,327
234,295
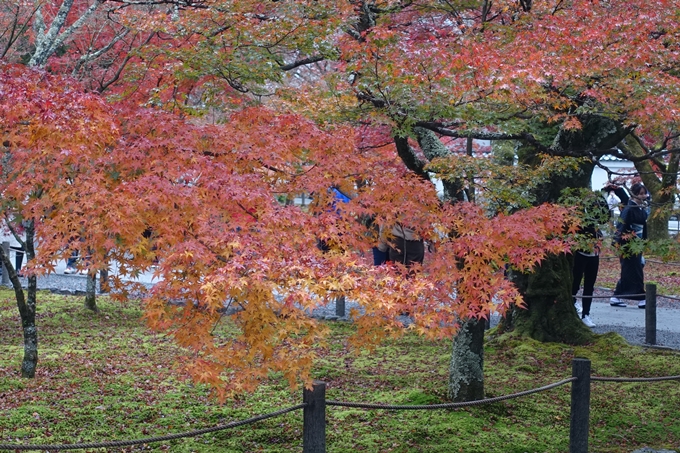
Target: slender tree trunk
90,292
26,304
104,286
30,361
27,311
466,373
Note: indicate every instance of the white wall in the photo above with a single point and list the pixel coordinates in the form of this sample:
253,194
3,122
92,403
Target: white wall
599,178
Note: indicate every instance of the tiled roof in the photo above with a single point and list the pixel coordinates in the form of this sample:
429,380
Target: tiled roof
611,158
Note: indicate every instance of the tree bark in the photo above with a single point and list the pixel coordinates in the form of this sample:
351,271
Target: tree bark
26,305
466,372
549,315
104,286
30,361
661,188
90,292
49,39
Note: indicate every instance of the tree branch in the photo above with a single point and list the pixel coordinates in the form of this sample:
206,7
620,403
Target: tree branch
303,62
89,56
47,43
409,157
524,136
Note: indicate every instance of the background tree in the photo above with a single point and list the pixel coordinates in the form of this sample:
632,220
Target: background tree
658,168
523,71
54,140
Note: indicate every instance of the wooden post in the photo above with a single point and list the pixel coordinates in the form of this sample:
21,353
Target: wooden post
650,313
580,406
340,306
314,419
104,281
5,274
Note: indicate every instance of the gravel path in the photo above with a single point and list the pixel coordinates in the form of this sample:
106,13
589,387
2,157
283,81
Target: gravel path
636,335
633,335
66,284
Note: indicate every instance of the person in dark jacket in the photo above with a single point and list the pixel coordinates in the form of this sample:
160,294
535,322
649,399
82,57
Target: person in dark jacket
587,256
407,248
632,224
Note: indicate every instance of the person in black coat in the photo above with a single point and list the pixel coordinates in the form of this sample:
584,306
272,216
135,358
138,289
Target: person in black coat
587,256
632,224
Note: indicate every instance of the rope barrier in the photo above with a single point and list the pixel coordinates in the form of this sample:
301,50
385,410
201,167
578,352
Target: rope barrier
670,263
148,440
620,297
627,296
622,379
448,405
193,433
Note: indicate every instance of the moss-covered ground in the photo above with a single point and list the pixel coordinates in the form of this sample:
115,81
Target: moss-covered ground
104,376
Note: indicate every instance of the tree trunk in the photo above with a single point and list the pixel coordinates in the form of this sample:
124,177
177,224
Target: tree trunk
466,373
661,188
27,311
657,223
104,286
26,306
550,315
90,292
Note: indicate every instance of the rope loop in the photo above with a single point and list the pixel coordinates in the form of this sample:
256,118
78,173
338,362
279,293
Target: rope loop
148,440
624,379
449,405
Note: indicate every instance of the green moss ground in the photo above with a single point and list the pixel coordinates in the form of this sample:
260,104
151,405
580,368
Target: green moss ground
106,377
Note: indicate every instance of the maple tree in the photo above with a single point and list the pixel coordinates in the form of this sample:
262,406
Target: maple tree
54,146
405,77
238,245
568,79
207,193
402,76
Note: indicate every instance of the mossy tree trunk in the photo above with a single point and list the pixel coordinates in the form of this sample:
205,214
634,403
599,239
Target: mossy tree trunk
549,314
466,372
91,292
26,303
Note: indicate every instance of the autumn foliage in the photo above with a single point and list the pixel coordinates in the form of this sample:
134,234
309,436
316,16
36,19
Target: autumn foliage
95,177
216,112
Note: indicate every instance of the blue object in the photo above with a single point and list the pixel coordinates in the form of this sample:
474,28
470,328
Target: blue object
339,196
